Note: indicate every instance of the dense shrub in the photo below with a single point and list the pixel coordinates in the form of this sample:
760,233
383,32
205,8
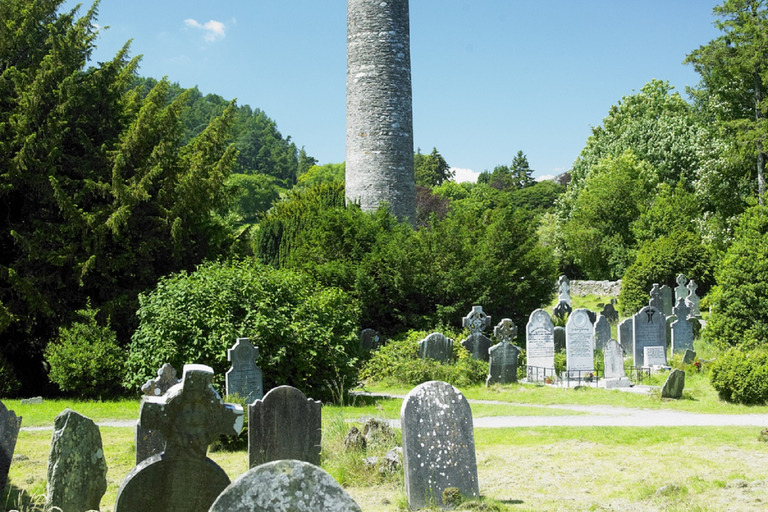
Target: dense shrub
9,382
740,376
306,333
85,358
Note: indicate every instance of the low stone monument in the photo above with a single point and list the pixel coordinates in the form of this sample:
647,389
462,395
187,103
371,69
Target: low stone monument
579,343
284,425
438,444
152,442
602,332
191,416
503,366
77,471
9,432
285,486
436,346
476,343
540,346
674,385
244,378
613,356
681,329
650,330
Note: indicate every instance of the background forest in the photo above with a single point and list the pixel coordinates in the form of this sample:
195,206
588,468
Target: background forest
143,223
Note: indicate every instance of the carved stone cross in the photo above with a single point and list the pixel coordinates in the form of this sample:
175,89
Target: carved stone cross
505,331
477,321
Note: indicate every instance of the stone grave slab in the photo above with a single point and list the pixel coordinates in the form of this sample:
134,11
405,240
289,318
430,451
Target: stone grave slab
667,300
674,385
503,356
77,471
626,335
191,415
540,346
650,330
244,378
579,339
613,356
436,346
438,444
602,332
284,425
152,442
654,356
285,486
681,329
9,432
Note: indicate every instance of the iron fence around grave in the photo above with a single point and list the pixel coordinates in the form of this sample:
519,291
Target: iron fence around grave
636,374
541,374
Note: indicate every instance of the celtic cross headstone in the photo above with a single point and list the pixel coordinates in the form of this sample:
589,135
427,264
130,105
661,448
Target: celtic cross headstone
151,442
503,356
476,343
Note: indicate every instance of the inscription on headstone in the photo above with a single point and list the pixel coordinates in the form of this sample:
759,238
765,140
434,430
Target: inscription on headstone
503,365
649,331
152,442
244,378
579,334
654,356
540,345
9,432
436,346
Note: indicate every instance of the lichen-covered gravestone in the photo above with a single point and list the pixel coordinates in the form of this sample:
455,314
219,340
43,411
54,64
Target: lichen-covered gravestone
689,357
151,442
477,343
244,378
503,366
77,471
613,356
191,415
284,425
681,290
438,444
626,328
9,432
692,299
681,329
674,385
436,346
650,330
602,332
540,346
285,486
579,344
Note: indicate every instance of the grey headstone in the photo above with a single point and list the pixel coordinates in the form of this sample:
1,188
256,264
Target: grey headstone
692,299
681,290
649,331
436,346
503,356
656,299
654,356
244,378
682,329
562,310
564,286
476,320
285,486
674,385
9,432
559,338
369,340
152,442
592,316
284,425
77,471
626,335
602,332
191,415
540,345
666,300
689,356
613,355
610,313
438,444
477,344
668,328
579,339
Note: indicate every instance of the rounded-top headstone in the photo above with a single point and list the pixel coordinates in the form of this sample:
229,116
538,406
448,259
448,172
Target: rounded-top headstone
285,486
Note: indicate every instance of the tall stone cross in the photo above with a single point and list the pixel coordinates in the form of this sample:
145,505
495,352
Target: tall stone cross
681,291
692,299
151,442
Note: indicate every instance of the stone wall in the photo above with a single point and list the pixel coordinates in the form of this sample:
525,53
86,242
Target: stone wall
601,288
379,154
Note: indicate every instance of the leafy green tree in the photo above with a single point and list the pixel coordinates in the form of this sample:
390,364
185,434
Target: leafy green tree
431,170
317,174
521,171
516,176
252,195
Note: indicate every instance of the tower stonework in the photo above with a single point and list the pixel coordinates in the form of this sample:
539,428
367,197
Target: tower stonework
379,157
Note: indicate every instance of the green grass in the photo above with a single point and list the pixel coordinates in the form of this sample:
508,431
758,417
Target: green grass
44,414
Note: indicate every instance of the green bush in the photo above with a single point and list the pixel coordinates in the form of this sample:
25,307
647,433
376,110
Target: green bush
742,377
398,363
9,383
85,358
307,334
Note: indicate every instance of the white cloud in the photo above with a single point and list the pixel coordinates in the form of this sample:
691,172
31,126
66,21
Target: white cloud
465,175
213,29
545,177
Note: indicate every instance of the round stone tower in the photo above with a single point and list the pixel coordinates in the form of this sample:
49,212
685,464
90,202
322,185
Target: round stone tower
379,160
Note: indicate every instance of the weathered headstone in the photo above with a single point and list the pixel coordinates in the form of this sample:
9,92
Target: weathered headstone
666,299
682,330
610,313
626,335
284,425
152,442
438,444
77,471
602,332
503,365
613,356
650,330
654,356
562,310
674,385
436,346
369,340
689,357
244,378
656,299
476,343
692,299
191,416
559,338
285,486
579,338
681,290
540,346
9,432
564,287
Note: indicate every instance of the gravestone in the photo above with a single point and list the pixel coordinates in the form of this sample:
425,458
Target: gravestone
476,343
35,400
285,486
369,340
77,471
602,332
682,329
436,346
9,432
613,356
191,415
540,346
674,385
562,310
244,378
626,335
681,290
650,330
592,316
438,444
654,356
689,357
564,287
152,442
559,338
503,365
668,328
656,300
579,339
666,299
610,313
284,425
692,299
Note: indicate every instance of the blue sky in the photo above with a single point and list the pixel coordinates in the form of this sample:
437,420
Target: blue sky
490,77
